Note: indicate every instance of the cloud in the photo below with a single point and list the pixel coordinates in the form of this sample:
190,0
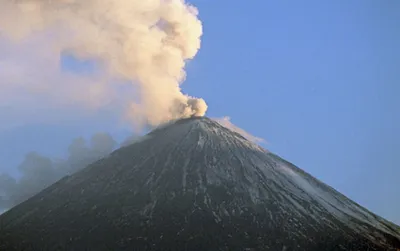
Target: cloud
226,122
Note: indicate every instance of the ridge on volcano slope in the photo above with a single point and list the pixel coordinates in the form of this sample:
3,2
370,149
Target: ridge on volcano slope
193,185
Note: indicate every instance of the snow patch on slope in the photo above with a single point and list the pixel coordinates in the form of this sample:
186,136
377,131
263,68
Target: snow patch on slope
339,206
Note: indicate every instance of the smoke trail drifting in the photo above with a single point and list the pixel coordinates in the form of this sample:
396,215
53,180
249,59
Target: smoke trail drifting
226,122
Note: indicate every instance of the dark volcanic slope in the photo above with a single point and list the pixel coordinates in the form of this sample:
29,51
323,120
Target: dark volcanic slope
193,185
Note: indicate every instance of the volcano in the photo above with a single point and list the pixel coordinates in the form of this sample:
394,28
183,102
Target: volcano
193,185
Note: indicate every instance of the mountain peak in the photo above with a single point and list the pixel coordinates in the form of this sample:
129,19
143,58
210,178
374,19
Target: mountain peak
193,184
201,128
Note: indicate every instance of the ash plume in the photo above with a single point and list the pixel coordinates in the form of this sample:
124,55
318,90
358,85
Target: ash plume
38,172
145,42
140,48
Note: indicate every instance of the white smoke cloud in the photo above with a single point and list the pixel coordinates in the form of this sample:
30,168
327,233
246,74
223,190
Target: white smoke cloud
146,42
38,172
226,122
30,76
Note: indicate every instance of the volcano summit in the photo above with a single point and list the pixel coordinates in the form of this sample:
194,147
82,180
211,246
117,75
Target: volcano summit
193,185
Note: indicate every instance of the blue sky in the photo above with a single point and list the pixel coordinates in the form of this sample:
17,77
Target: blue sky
319,80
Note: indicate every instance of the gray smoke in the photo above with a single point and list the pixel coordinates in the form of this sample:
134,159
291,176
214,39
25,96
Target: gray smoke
38,172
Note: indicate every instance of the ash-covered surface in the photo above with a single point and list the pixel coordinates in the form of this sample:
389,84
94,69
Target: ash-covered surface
193,185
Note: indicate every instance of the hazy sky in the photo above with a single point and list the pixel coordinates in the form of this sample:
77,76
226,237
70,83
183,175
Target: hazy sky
319,81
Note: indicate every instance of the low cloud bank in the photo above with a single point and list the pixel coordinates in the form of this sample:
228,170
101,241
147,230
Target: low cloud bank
38,171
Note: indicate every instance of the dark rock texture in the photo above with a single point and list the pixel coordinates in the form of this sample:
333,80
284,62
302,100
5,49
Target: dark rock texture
193,185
